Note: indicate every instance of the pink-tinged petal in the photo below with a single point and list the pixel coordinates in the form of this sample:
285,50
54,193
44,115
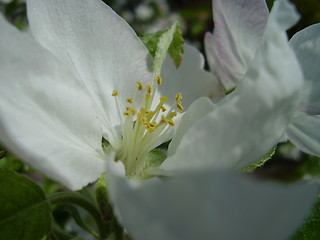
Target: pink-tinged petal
239,26
90,38
47,118
245,125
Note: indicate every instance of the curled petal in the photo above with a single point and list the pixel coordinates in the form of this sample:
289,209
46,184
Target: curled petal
304,132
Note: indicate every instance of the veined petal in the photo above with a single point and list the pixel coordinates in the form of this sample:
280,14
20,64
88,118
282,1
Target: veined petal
208,205
306,44
47,118
239,26
99,45
195,112
190,78
251,120
304,131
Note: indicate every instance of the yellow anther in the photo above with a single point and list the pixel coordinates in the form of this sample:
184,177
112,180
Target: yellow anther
130,100
153,124
149,89
172,115
163,109
159,80
179,97
139,86
164,99
179,106
130,111
115,93
167,120
170,122
163,119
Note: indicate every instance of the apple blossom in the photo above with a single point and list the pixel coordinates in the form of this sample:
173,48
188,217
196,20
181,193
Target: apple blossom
84,76
240,27
56,95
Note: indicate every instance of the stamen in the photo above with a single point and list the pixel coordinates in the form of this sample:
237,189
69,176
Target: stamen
139,86
129,111
179,106
115,93
159,80
130,100
171,115
179,97
148,88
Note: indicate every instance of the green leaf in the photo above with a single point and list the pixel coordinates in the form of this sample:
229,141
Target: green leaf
159,43
310,230
261,162
25,213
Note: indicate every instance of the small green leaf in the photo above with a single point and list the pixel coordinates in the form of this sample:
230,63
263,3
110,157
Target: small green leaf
25,212
159,43
261,162
310,230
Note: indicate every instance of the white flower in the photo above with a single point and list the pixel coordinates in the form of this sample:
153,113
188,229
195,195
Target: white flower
57,104
201,198
56,94
240,27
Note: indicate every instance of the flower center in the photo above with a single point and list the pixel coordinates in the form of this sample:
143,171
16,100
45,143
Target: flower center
144,125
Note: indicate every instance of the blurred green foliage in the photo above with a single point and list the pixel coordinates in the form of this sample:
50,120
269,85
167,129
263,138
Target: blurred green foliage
310,230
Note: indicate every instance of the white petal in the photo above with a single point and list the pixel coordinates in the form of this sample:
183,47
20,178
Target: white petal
239,26
209,205
98,44
306,44
190,78
47,119
304,131
195,112
251,120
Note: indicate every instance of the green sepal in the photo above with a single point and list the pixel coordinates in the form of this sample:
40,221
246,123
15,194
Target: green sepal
103,200
25,212
77,218
310,230
159,43
261,162
72,198
155,158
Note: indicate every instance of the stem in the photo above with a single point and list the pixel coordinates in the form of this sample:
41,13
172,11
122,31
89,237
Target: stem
76,199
